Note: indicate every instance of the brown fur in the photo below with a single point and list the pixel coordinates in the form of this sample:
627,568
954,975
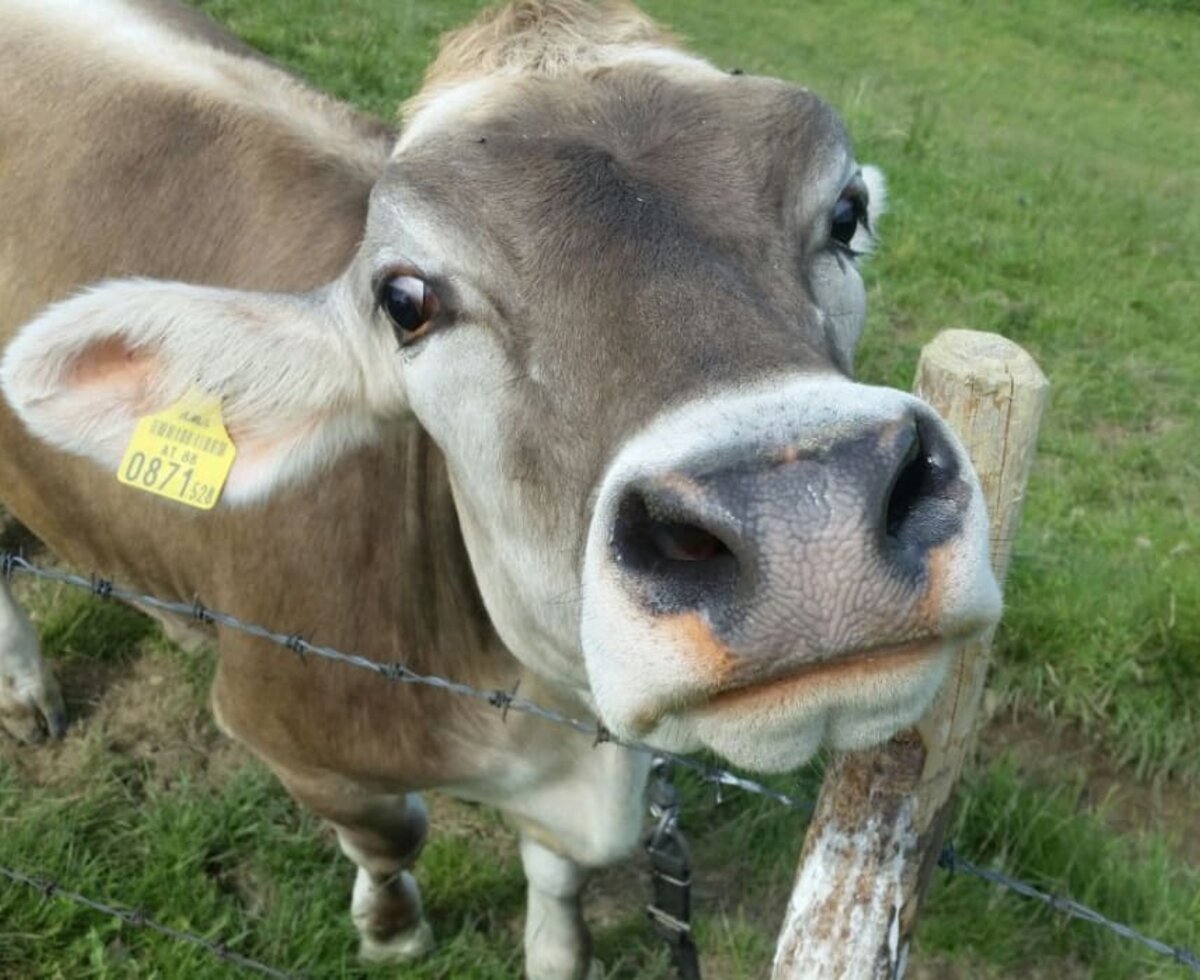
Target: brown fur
105,172
535,37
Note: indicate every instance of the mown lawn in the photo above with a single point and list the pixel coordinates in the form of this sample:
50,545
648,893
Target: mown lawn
1044,162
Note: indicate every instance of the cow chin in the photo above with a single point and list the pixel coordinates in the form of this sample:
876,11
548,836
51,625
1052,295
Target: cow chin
851,702
780,726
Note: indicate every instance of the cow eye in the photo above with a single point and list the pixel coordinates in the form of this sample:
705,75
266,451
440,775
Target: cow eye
409,303
848,213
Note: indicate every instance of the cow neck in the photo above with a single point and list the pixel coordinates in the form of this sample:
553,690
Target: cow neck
367,557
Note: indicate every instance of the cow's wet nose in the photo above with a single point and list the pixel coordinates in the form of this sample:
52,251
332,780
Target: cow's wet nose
759,526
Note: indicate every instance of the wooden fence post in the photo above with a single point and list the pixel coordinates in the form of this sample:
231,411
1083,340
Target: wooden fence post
877,831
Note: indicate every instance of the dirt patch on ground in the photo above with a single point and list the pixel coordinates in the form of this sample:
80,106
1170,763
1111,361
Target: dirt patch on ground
1111,435
145,710
14,536
940,968
1056,753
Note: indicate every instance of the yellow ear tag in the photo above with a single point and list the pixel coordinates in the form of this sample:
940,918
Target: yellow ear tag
182,453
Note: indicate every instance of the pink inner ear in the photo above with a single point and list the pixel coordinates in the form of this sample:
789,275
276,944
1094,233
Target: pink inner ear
114,365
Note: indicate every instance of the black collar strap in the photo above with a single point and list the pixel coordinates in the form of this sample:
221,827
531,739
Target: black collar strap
671,874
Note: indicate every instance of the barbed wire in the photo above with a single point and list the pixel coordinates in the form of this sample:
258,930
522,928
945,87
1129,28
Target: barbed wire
506,701
49,889
950,861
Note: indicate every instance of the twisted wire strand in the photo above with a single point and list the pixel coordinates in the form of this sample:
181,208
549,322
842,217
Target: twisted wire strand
953,863
51,889
506,701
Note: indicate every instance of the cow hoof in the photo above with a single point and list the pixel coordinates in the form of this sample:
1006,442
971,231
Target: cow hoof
32,714
402,948
560,970
31,704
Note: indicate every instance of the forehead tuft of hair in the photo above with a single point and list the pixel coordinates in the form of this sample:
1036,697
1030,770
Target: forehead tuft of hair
536,37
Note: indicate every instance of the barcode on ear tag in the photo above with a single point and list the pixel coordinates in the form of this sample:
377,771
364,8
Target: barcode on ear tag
182,453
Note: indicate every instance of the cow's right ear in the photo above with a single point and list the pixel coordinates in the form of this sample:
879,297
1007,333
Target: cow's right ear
290,372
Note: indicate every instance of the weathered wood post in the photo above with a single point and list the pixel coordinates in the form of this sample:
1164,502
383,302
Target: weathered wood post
877,831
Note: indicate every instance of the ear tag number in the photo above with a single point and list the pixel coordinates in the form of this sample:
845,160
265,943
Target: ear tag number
182,453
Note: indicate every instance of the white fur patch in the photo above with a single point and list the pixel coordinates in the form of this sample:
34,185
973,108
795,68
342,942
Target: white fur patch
556,943
867,239
453,103
125,33
877,196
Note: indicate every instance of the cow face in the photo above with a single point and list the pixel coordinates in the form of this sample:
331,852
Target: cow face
623,298
626,304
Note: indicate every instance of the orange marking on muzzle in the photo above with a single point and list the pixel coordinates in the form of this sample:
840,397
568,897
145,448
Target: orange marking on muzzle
686,487
786,456
929,610
846,670
689,633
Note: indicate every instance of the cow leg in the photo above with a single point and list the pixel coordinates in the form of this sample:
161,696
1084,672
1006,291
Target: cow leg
587,815
31,704
382,835
557,943
386,906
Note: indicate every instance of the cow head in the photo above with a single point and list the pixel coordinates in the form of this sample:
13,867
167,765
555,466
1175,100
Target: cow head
620,289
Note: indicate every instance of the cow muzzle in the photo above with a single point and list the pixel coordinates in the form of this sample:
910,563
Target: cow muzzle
774,570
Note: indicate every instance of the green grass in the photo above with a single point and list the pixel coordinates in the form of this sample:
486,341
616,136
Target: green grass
227,856
1044,162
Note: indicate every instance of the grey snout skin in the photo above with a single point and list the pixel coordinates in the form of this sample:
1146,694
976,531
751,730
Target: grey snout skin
837,543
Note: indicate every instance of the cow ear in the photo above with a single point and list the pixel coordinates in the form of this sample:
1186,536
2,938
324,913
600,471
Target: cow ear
290,377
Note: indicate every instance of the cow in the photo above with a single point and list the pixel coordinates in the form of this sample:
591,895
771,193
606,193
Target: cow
551,388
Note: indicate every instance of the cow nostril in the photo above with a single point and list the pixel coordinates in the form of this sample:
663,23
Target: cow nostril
684,542
920,506
655,537
907,486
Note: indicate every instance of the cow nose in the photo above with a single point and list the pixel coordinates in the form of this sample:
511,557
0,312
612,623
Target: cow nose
716,534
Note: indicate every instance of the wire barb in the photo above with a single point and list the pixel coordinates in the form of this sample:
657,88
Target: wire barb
949,859
200,612
102,588
512,695
502,700
393,672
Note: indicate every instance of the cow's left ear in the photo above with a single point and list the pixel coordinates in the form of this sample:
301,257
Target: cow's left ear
289,372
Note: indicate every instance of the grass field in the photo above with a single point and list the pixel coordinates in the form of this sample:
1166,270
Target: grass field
1044,162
